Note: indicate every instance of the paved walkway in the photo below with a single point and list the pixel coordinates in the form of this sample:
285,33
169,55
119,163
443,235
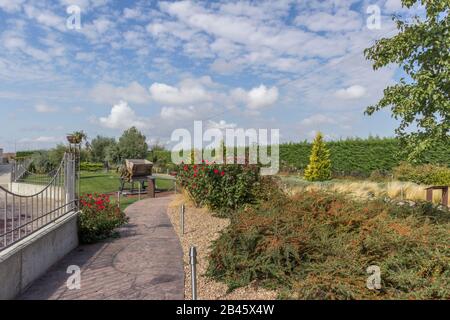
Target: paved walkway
145,262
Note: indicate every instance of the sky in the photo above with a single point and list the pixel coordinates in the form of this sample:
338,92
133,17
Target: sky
293,65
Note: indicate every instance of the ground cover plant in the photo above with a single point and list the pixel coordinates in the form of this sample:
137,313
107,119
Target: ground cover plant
318,245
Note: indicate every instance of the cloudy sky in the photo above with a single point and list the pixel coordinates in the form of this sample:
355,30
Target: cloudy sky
295,65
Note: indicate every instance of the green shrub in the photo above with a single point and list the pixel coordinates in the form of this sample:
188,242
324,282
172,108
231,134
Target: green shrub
218,186
319,167
423,174
91,166
98,218
316,245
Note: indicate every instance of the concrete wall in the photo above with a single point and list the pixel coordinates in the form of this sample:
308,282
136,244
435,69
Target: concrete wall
28,189
31,257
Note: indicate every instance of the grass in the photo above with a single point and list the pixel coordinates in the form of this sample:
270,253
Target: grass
107,182
101,182
363,188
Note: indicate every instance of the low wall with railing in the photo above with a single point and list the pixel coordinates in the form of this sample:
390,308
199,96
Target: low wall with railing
38,226
29,188
29,258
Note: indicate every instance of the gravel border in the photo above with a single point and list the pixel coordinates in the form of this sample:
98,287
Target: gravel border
201,228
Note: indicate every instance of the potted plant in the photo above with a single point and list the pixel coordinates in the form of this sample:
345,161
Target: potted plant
76,137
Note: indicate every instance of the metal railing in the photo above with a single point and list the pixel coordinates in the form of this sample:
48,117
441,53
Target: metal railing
21,215
19,169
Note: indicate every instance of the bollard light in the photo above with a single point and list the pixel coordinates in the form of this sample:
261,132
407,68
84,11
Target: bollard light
182,219
193,263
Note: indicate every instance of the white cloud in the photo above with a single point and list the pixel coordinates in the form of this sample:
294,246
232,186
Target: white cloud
11,6
45,17
85,5
130,13
343,20
393,5
42,139
85,56
352,92
177,113
122,117
221,125
43,108
317,119
189,91
107,93
256,98
77,109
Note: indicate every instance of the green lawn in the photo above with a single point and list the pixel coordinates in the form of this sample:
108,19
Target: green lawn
106,182
103,182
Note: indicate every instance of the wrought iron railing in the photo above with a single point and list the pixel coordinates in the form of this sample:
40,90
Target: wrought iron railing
21,214
19,169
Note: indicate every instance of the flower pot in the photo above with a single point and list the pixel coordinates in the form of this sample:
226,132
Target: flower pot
73,139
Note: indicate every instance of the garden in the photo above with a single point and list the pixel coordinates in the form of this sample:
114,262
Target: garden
310,235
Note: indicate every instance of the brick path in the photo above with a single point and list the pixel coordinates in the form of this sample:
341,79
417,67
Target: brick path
145,262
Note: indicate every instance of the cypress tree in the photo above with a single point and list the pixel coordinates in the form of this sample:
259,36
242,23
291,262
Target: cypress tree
319,167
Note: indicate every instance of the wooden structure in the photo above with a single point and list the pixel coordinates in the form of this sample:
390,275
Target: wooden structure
444,194
137,170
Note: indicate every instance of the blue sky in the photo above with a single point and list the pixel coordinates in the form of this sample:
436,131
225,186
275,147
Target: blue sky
295,65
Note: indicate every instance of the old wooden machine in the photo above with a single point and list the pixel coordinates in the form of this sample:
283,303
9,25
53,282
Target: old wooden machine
140,171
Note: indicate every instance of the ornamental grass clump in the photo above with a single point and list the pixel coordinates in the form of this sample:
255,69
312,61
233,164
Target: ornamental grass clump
98,218
220,187
318,245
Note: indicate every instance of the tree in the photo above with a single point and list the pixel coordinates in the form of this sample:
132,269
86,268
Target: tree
131,145
421,100
99,147
319,167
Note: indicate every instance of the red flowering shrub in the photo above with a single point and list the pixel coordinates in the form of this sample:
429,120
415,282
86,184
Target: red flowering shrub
221,187
98,218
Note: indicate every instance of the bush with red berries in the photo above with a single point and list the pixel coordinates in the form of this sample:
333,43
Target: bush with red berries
220,187
98,218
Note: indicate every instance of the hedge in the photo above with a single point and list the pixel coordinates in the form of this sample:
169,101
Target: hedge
358,157
91,166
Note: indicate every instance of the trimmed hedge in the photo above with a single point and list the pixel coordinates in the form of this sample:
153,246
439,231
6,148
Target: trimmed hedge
91,166
423,174
357,157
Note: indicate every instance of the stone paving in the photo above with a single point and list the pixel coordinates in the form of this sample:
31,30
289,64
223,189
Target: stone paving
145,262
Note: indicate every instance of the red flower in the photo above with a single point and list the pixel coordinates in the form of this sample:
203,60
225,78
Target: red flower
195,174
216,171
185,168
222,173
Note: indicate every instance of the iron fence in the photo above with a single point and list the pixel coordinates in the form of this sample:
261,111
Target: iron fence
21,215
19,169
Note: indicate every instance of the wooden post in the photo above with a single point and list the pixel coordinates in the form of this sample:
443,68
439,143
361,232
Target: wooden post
430,194
445,196
151,187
